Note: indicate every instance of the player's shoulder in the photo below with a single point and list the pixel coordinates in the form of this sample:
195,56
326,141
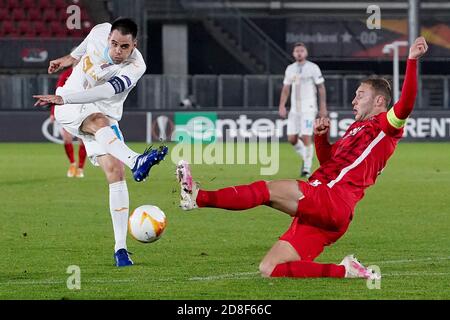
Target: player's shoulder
291,67
101,29
137,61
312,65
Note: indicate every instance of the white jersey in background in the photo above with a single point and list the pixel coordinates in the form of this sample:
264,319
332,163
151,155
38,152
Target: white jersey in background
303,79
96,67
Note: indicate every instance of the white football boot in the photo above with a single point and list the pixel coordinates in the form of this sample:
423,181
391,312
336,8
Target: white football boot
354,269
188,187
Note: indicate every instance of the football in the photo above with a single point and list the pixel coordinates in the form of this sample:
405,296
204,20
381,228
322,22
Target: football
147,223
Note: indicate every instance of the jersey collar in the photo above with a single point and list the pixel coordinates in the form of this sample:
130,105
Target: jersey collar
106,55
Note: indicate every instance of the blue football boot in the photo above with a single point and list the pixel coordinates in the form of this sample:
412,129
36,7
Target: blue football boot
122,258
147,160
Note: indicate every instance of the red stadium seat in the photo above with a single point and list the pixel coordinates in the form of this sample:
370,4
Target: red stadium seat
26,29
62,15
34,14
27,4
50,15
60,4
44,4
76,33
12,4
4,14
9,29
18,14
42,29
58,29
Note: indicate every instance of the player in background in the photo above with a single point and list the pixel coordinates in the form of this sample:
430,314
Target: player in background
303,79
322,207
74,170
90,105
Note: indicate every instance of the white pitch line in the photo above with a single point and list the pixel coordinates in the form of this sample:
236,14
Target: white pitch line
241,275
224,276
410,260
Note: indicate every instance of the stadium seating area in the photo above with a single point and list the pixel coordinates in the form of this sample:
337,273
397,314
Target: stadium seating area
40,18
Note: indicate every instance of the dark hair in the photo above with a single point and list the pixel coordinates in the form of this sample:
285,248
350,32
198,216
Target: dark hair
381,87
298,44
125,26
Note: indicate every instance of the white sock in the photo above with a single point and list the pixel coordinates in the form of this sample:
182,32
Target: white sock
119,204
300,148
308,159
116,147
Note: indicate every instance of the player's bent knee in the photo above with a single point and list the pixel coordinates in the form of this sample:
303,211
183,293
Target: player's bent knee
293,140
266,268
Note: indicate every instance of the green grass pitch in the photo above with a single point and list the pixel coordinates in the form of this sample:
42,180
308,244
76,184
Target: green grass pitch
49,222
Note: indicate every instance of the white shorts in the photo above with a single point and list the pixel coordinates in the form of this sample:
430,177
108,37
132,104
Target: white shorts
301,124
71,116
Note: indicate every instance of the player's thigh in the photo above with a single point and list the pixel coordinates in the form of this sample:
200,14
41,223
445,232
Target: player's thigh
284,195
307,126
281,252
67,137
293,124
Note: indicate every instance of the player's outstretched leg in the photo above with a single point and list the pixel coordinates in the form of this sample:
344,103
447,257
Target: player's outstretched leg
279,194
140,164
231,198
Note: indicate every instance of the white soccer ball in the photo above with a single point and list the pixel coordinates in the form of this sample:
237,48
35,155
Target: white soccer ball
147,223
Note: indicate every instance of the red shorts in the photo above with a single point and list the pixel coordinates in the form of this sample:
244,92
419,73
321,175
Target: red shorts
322,218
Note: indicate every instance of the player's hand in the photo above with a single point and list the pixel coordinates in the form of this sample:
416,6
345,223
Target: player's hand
44,100
418,48
282,112
61,63
321,126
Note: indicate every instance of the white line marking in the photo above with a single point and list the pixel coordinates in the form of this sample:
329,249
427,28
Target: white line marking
241,275
410,260
225,276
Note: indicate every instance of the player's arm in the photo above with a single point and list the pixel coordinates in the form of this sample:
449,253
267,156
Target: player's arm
117,84
324,149
287,82
320,84
323,112
396,117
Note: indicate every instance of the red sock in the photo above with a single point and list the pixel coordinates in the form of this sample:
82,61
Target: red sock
235,198
81,156
308,269
69,152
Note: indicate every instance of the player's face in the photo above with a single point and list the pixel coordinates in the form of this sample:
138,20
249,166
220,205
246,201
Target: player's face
120,46
364,102
300,53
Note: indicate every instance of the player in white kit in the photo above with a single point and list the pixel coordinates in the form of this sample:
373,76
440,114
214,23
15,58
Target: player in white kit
90,104
304,79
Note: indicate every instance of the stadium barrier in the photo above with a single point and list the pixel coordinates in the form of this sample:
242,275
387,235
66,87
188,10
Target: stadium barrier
140,126
215,92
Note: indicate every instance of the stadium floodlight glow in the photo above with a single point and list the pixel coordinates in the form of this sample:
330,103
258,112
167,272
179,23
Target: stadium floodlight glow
394,48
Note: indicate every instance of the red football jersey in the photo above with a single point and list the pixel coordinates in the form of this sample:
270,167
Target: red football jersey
359,156
356,160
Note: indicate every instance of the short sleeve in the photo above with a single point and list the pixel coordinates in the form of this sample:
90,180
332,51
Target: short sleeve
317,75
288,79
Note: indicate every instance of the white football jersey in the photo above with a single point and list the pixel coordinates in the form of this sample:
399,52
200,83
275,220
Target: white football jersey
96,67
303,79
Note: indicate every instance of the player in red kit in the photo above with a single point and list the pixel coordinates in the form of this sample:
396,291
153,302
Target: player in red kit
74,170
322,207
